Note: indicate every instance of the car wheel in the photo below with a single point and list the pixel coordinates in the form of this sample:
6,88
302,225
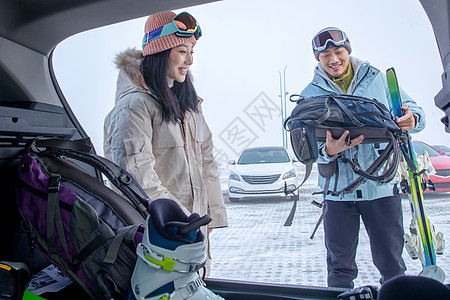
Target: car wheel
234,200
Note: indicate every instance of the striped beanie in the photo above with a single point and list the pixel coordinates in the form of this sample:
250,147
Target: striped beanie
165,42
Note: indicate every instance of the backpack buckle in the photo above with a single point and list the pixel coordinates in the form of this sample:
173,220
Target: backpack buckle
53,183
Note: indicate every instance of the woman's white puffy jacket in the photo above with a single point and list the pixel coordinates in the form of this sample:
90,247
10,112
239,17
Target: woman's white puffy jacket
169,160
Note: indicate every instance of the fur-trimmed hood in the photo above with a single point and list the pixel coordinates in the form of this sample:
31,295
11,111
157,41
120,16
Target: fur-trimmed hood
129,61
130,77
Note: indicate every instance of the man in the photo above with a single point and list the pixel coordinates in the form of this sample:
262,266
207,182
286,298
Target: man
378,205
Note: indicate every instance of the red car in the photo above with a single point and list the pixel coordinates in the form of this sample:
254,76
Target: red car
440,162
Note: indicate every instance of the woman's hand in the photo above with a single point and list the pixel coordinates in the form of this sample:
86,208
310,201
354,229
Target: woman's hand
334,146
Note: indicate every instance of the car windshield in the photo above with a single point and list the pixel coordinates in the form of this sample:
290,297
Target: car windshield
420,147
263,157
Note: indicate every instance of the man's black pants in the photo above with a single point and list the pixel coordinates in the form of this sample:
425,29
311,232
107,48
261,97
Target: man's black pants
383,221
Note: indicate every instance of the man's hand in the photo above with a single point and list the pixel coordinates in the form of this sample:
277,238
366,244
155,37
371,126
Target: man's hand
334,146
407,122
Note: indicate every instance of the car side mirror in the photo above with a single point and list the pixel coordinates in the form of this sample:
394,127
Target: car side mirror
232,162
441,152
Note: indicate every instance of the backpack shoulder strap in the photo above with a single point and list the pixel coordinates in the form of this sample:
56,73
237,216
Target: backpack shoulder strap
290,217
326,171
83,152
391,149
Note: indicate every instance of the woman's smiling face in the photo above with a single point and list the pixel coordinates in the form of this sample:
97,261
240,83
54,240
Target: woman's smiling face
334,61
180,59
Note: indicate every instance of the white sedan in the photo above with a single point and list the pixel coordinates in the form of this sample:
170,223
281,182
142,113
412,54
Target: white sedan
263,172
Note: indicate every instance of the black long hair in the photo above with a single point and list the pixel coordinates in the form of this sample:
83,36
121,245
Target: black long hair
175,101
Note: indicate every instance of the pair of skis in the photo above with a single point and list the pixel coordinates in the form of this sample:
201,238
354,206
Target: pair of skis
425,248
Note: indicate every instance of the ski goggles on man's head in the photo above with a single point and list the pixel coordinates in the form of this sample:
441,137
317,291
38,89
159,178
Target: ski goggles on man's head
183,25
335,36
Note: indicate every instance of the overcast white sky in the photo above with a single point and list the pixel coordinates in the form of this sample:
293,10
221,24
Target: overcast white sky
245,47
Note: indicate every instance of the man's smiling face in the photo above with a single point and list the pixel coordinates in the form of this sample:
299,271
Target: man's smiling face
334,61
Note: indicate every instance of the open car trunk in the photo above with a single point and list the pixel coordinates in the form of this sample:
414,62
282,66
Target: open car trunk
32,106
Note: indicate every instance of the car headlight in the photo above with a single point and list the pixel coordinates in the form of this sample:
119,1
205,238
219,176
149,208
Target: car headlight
289,174
233,176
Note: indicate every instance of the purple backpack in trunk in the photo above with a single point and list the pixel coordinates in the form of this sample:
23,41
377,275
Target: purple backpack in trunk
82,226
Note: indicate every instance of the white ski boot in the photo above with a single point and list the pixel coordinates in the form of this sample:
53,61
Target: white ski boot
438,241
411,245
414,246
171,253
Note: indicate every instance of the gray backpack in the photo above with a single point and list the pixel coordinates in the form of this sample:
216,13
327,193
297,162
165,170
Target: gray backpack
313,117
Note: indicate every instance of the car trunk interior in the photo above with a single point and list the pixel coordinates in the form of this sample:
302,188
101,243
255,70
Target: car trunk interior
21,121
31,104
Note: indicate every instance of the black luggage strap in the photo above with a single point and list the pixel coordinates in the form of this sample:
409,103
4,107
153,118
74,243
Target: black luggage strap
100,235
406,155
319,221
388,174
290,217
54,218
392,148
344,108
83,152
326,171
125,233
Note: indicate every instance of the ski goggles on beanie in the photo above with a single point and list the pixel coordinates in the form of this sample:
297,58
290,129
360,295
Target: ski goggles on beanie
183,25
329,35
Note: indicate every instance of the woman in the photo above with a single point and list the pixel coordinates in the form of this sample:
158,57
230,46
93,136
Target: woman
156,130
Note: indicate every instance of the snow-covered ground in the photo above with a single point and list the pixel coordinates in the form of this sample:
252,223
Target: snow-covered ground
257,247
